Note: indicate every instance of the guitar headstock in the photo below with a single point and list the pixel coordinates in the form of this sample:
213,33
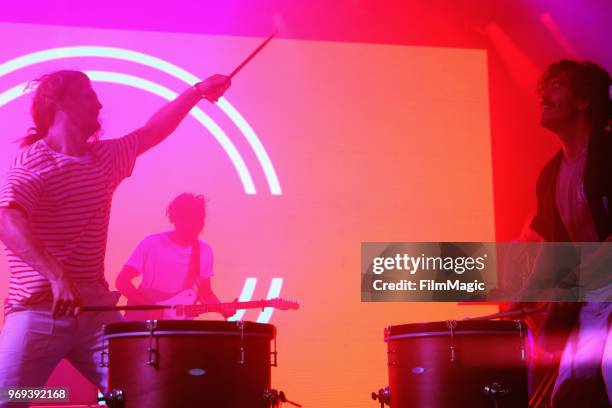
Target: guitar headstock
283,304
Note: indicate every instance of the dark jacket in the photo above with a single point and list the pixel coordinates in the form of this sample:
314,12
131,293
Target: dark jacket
547,223
597,188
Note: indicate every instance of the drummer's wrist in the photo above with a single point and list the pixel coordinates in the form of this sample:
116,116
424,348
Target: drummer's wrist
200,89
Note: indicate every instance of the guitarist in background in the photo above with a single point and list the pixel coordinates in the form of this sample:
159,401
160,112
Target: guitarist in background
574,195
172,262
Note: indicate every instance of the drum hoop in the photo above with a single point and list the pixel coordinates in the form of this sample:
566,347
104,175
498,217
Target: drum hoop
448,333
158,333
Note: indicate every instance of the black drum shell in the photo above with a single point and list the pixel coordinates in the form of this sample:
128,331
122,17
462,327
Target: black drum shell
198,363
421,373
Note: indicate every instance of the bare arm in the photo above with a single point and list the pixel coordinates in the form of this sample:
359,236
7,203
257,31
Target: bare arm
552,275
545,273
17,235
555,262
206,294
124,283
167,119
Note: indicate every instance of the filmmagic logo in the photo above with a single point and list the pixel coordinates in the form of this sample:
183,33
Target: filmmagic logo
413,264
429,285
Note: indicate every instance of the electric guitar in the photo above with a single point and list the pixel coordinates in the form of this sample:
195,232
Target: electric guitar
182,306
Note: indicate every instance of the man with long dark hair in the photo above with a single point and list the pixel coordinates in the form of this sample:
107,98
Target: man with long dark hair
54,214
573,192
172,262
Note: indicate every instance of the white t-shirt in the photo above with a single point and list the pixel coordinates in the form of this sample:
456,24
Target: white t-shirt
572,203
164,264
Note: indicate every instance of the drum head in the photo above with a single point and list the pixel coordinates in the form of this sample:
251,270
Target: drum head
472,327
179,327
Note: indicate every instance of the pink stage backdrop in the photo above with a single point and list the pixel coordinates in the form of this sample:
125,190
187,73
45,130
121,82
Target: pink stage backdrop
348,143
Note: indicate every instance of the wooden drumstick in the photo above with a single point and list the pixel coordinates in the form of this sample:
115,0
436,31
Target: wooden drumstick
516,313
113,308
251,56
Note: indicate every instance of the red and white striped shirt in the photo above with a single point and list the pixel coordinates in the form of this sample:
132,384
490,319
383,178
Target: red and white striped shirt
67,200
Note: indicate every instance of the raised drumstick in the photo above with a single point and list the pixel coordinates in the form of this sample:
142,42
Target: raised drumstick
251,56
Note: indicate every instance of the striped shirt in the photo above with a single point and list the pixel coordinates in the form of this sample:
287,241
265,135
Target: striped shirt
67,200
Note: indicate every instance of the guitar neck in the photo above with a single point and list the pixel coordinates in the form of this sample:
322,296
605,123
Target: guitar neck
198,309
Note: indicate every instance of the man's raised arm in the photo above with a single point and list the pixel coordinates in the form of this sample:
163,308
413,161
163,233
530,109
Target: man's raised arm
167,119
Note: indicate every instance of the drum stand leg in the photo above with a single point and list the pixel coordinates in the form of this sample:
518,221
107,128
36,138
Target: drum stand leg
496,391
113,399
383,396
276,398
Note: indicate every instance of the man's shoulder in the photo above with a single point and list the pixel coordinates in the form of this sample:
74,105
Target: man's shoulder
34,157
101,147
104,144
153,239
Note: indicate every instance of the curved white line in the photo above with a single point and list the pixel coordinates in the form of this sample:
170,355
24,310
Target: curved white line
247,294
13,93
162,65
255,143
274,291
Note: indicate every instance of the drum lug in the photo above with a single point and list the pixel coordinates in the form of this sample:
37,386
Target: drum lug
274,355
452,325
104,359
153,357
104,354
242,360
152,352
519,326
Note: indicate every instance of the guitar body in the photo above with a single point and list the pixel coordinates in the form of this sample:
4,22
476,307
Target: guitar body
185,297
